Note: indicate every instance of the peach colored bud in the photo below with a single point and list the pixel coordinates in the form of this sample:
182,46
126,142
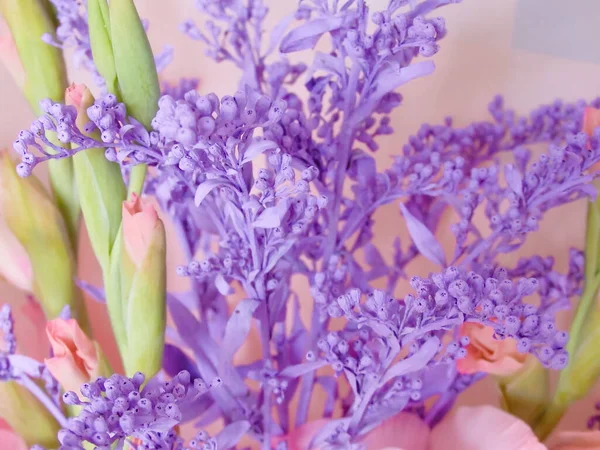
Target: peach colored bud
140,221
15,265
74,94
486,354
591,120
75,359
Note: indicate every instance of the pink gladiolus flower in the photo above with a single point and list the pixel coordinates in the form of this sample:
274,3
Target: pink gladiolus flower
470,428
486,354
30,322
74,94
75,359
139,221
9,440
15,265
591,120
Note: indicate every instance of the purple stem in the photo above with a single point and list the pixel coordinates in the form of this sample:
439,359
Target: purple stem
37,392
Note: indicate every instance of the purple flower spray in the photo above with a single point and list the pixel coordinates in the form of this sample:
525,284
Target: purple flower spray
269,185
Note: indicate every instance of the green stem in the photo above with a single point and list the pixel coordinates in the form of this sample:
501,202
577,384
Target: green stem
136,179
582,313
550,419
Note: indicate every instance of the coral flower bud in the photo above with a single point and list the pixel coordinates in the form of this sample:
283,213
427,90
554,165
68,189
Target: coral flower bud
76,359
143,283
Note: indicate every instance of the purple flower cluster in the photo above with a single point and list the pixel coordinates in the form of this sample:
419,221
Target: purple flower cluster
25,370
120,409
269,187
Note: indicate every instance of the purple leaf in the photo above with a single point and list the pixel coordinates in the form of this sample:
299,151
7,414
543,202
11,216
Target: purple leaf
222,285
236,217
302,369
513,179
414,362
175,360
388,80
320,440
277,32
271,217
327,62
94,292
423,238
232,433
162,425
257,147
25,364
204,189
209,415
306,36
238,327
274,257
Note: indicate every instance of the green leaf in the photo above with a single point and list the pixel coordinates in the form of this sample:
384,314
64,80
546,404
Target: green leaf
100,41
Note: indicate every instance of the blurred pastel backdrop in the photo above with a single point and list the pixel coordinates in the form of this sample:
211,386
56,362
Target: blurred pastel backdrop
530,51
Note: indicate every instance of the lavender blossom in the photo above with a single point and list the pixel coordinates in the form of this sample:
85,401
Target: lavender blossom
268,188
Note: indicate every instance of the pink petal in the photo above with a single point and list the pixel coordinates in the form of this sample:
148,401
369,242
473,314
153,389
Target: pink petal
10,440
9,57
14,261
75,358
301,437
74,94
139,221
67,373
483,428
29,327
404,430
577,440
591,120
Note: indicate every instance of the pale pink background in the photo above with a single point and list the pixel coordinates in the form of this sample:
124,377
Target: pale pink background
476,62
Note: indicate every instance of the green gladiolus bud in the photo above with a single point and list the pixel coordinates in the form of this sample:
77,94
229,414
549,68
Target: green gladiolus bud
27,416
99,26
45,77
136,71
143,283
43,64
36,222
100,184
525,394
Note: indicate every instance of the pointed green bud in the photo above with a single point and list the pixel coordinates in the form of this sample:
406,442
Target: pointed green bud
134,62
143,273
99,26
35,221
45,77
44,67
136,71
526,393
20,409
99,182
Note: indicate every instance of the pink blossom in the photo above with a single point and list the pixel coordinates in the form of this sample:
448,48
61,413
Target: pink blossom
486,354
9,440
469,428
139,223
591,120
75,359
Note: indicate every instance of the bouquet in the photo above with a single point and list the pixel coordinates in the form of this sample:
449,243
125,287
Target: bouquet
272,188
